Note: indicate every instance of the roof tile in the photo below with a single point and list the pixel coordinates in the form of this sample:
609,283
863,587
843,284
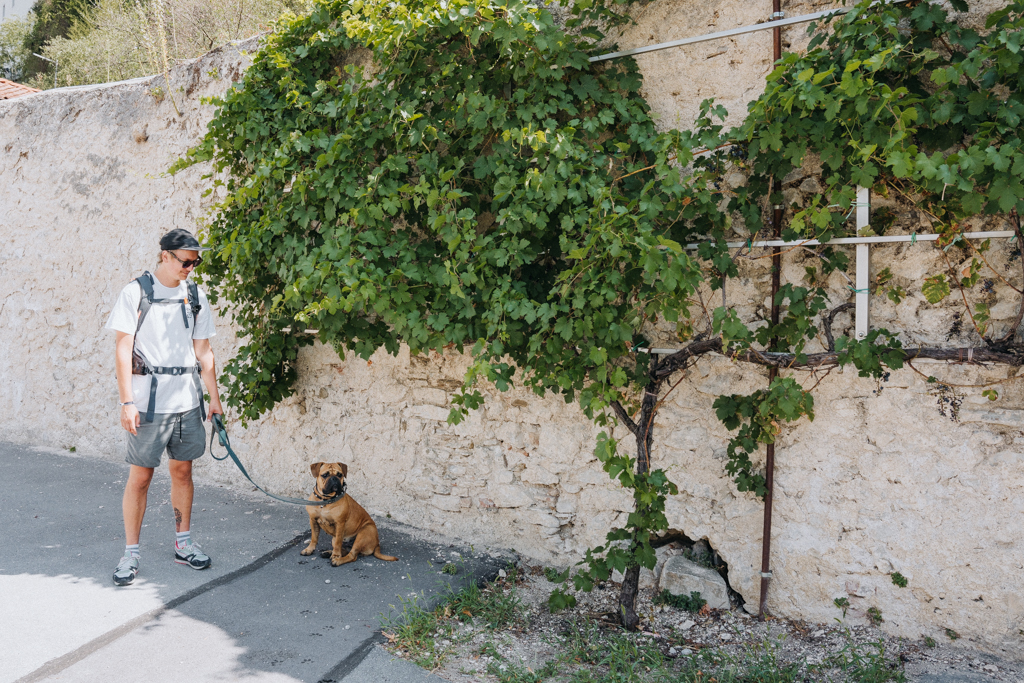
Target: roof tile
9,89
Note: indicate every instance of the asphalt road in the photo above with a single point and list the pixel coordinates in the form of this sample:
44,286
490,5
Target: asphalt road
262,613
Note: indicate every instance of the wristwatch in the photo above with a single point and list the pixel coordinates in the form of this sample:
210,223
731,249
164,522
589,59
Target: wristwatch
127,403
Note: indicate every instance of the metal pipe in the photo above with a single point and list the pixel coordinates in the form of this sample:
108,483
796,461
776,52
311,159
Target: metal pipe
775,25
884,239
773,372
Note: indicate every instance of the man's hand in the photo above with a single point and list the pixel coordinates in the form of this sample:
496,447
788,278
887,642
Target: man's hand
215,408
130,419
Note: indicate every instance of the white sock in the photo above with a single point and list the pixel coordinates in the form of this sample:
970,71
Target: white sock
133,550
182,539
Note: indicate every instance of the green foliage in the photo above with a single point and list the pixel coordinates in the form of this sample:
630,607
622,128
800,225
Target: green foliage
13,54
560,600
111,40
868,663
520,673
898,579
759,417
843,604
875,616
555,576
484,188
418,631
53,19
691,603
929,641
880,349
759,663
450,568
935,288
630,545
952,635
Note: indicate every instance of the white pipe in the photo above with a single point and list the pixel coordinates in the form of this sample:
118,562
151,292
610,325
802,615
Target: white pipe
980,235
863,265
802,19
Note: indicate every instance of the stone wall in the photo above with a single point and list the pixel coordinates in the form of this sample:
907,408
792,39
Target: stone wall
880,481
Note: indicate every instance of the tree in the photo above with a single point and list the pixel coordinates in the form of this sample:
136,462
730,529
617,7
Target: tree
458,175
13,54
112,40
53,19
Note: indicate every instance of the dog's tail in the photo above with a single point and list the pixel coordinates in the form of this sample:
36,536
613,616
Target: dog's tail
381,556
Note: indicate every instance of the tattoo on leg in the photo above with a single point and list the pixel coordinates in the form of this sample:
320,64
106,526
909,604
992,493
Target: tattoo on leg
177,519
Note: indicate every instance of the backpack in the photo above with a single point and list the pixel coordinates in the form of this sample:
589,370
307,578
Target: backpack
141,366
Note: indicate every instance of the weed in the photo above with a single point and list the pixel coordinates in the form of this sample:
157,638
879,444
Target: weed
415,631
497,606
72,449
898,579
555,576
951,634
929,641
489,649
582,642
513,673
758,664
875,615
843,604
629,656
867,663
691,603
450,568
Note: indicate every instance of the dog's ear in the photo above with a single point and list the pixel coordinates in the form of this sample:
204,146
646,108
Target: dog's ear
344,469
315,468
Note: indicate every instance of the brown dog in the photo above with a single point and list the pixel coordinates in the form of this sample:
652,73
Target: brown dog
343,519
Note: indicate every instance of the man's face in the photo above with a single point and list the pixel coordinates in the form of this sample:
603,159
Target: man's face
181,262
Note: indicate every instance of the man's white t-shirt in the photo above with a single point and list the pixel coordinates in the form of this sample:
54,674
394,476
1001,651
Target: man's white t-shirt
163,341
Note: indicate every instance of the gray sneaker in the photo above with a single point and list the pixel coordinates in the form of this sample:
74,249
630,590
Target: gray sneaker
192,556
126,570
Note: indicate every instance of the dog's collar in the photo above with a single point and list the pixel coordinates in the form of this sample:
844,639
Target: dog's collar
320,496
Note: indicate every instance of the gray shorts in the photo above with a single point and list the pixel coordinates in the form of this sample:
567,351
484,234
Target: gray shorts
182,434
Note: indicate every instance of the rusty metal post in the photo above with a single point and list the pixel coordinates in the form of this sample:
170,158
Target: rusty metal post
766,536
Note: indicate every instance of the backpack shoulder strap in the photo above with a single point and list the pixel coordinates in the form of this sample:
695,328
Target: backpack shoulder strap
193,302
146,300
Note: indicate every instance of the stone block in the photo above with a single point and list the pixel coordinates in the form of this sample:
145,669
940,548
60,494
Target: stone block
508,496
427,395
682,577
541,518
535,474
646,580
446,503
427,412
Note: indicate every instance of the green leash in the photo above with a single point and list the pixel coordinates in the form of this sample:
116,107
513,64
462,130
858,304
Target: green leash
222,436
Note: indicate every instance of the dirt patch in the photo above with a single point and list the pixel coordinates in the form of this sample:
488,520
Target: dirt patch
506,633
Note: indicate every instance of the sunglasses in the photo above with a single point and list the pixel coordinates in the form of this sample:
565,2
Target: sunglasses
188,263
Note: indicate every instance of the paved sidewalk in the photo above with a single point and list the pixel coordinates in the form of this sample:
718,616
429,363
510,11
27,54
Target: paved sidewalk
261,613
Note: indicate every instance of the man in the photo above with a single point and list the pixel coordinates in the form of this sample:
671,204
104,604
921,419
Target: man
164,325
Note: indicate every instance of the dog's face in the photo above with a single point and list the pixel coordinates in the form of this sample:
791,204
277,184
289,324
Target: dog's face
330,476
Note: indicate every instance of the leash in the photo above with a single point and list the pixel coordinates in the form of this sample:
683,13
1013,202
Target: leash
222,436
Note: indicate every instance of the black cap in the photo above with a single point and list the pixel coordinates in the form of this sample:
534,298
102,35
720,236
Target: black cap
179,238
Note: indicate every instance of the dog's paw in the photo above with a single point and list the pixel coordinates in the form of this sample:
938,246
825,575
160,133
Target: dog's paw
337,561
325,553
307,551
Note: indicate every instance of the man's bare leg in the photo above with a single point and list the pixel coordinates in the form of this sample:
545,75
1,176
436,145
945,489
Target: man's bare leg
182,490
133,505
